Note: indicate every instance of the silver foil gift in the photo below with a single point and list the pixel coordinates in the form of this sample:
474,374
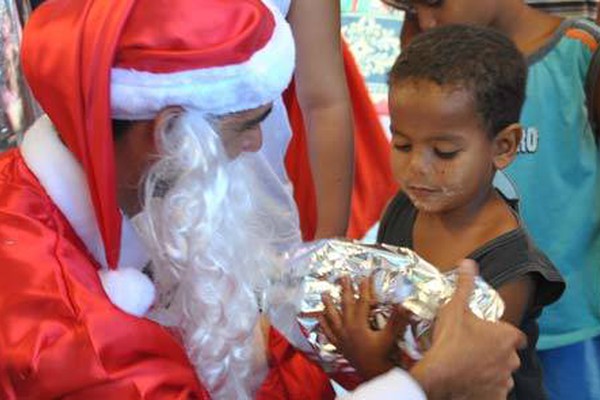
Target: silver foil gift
400,276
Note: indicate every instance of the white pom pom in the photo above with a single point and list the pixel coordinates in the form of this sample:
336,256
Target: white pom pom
129,289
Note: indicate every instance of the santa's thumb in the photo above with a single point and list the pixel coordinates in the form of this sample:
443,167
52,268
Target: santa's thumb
467,271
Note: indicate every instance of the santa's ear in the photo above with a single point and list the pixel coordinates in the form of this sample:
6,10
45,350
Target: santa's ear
506,144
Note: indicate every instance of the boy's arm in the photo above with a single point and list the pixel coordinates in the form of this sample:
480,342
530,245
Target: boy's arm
518,296
323,97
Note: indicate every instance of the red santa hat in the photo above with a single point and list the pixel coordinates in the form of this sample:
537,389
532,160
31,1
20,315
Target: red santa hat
90,61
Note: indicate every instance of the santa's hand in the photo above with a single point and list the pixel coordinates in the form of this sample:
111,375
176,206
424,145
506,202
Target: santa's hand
469,358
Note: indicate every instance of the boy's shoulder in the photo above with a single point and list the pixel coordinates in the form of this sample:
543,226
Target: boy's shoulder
512,256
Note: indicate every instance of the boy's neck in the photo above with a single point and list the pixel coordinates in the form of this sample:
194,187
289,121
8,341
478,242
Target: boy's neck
445,238
529,28
463,217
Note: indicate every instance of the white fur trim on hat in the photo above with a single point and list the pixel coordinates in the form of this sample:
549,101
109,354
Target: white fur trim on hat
138,95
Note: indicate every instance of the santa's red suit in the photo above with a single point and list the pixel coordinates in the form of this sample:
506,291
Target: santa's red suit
61,335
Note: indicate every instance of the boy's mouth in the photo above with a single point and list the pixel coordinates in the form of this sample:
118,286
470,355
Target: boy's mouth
420,191
421,188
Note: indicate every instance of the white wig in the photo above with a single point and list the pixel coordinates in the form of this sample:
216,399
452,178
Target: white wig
211,253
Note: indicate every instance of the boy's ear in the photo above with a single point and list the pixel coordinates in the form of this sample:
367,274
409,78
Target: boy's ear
506,144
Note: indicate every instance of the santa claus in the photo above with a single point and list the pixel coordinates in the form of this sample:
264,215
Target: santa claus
134,232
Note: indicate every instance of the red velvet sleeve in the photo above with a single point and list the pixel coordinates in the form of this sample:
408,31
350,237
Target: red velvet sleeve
292,375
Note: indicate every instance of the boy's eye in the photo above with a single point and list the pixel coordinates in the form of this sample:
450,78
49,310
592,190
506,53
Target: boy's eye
446,155
405,148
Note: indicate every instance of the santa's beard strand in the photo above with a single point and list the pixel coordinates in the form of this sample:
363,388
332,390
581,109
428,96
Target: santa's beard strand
210,254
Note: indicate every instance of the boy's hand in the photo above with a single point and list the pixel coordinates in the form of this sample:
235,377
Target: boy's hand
367,350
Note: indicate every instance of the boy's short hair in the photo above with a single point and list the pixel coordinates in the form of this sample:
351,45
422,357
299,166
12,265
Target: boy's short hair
480,59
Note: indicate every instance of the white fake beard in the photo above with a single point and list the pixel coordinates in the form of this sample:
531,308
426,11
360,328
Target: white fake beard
209,233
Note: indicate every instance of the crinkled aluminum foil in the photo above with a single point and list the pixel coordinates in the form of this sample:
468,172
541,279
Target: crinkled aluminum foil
400,276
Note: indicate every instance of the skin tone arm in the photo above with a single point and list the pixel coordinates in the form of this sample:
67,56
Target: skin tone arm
469,357
323,97
517,296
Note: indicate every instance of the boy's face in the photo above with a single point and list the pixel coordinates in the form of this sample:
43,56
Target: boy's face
441,154
433,13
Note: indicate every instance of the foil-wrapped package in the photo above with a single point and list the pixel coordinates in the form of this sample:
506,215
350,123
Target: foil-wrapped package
400,276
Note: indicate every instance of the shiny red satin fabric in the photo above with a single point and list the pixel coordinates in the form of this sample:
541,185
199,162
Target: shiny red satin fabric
218,33
60,337
374,184
67,53
292,375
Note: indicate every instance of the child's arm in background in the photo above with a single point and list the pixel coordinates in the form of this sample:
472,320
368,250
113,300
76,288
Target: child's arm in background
325,103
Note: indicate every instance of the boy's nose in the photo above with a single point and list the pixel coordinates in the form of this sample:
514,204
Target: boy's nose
418,165
426,16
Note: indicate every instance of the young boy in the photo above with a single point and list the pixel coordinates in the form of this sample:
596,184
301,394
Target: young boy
455,98
557,171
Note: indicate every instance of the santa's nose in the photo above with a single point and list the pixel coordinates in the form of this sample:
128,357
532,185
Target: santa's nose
252,140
